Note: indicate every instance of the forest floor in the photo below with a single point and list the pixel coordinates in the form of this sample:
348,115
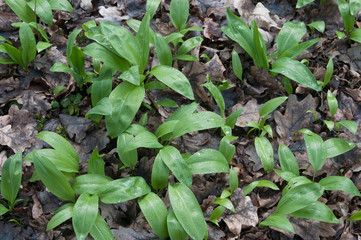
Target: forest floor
25,110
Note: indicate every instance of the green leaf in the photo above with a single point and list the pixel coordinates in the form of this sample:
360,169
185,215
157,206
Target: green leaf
350,125
11,174
329,72
216,94
166,102
294,182
289,36
227,149
340,35
101,230
332,103
337,146
196,122
271,105
233,180
225,202
347,17
61,67
315,151
187,210
174,79
14,54
298,49
53,179
163,51
62,5
124,189
174,161
58,143
299,197
260,48
217,212
237,65
143,39
302,3
152,6
318,25
22,10
102,85
316,211
295,71
113,60
3,210
329,124
189,44
260,183
287,160
62,214
128,157
142,138
126,99
89,183
355,5
278,221
265,152
84,214
28,44
96,163
179,11
340,183
160,173
70,46
286,175
207,161
175,229
156,213
232,119
355,217
42,8
41,46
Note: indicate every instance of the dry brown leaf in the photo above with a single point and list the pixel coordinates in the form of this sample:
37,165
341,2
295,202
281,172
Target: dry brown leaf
249,114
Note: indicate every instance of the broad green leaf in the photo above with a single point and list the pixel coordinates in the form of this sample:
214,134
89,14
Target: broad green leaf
179,11
13,53
61,67
142,138
287,160
316,211
96,163
160,173
232,119
286,175
355,6
22,10
174,161
329,72
3,210
289,36
217,212
163,51
41,46
6,61
126,99
135,25
237,65
337,146
207,161
302,3
315,151
340,183
355,217
102,85
196,122
216,94
155,85
233,180
318,25
128,157
174,79
42,8
294,182
28,44
226,148
278,221
347,17
260,183
62,5
329,124
156,213
39,28
166,129
89,183
152,6
166,102
183,111
84,214
295,71
225,202
189,44
238,31
58,143
109,57
124,189
11,174
260,48
175,229
101,230
350,125
123,41
271,105
63,214
332,103
53,179
186,57
187,210
103,107
340,35
131,75
70,46
299,197
142,38
287,84
265,152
